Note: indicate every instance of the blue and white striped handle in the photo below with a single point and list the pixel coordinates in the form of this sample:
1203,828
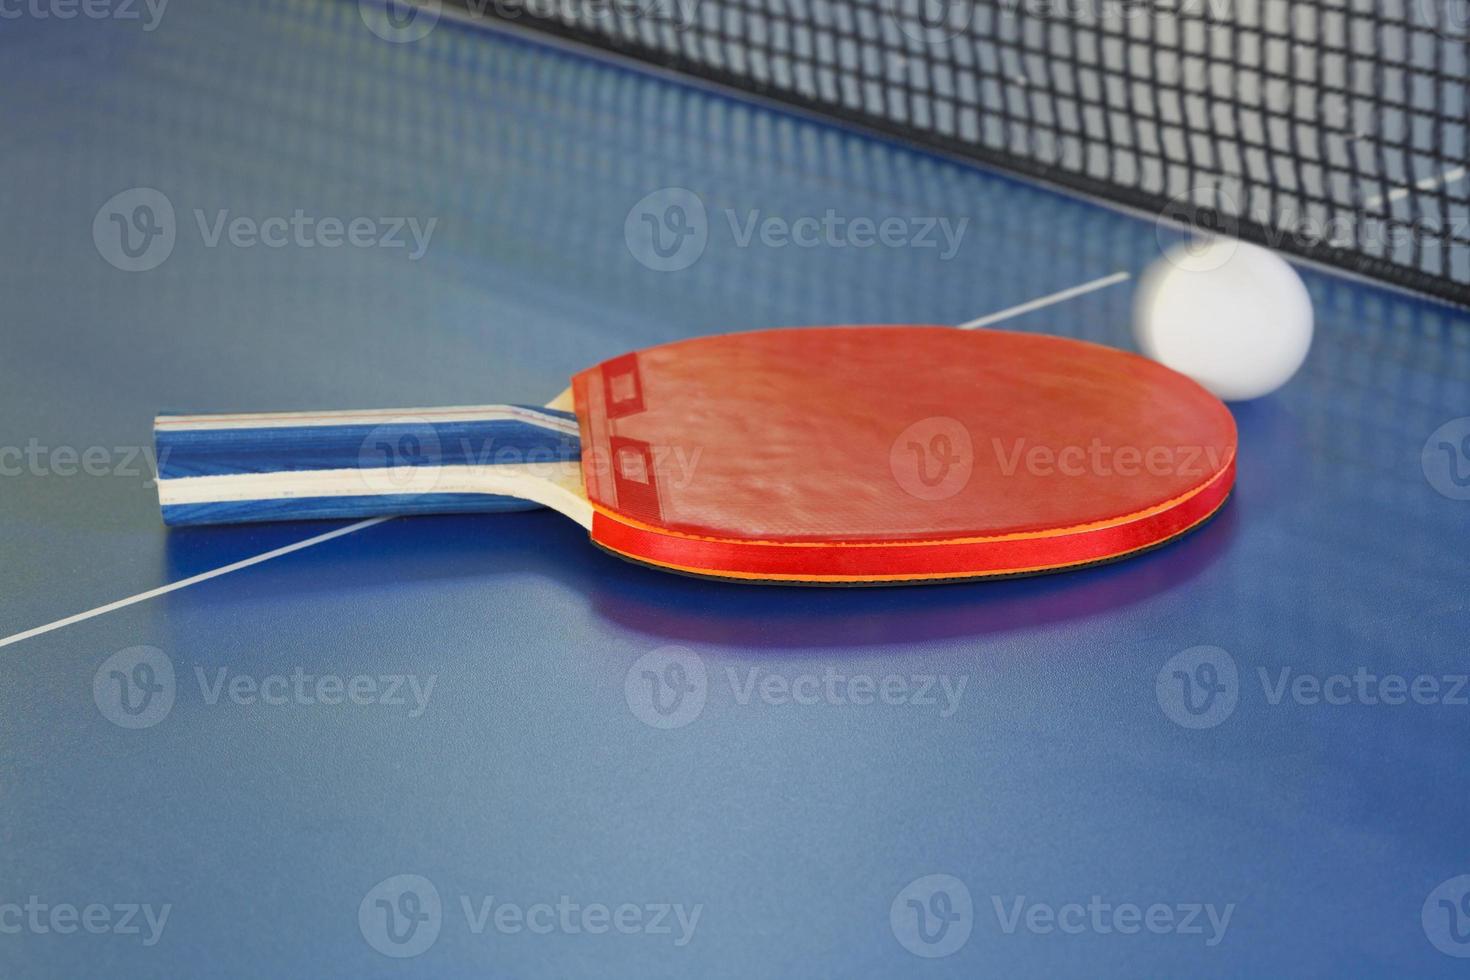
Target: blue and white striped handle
226,469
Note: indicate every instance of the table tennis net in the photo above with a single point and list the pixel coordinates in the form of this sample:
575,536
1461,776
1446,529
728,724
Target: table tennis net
1331,129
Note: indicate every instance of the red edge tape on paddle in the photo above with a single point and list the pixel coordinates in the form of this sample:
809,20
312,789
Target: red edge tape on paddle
910,561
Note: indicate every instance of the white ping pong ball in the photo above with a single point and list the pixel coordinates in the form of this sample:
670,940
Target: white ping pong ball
1232,316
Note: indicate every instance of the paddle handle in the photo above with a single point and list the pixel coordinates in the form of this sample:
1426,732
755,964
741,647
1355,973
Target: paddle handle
226,469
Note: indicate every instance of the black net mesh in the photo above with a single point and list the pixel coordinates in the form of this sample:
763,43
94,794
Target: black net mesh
1332,129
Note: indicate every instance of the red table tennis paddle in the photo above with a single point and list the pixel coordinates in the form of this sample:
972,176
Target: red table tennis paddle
830,455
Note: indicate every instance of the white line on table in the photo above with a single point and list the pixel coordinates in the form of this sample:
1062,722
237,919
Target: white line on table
1035,304
1450,176
192,580
1045,301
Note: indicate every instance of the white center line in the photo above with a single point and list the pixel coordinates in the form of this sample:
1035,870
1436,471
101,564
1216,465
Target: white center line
1450,176
192,580
1035,304
1045,301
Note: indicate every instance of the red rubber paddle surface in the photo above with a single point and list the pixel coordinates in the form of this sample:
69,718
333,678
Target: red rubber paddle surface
894,453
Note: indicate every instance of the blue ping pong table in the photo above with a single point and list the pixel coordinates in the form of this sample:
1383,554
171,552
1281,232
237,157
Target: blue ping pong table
477,746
